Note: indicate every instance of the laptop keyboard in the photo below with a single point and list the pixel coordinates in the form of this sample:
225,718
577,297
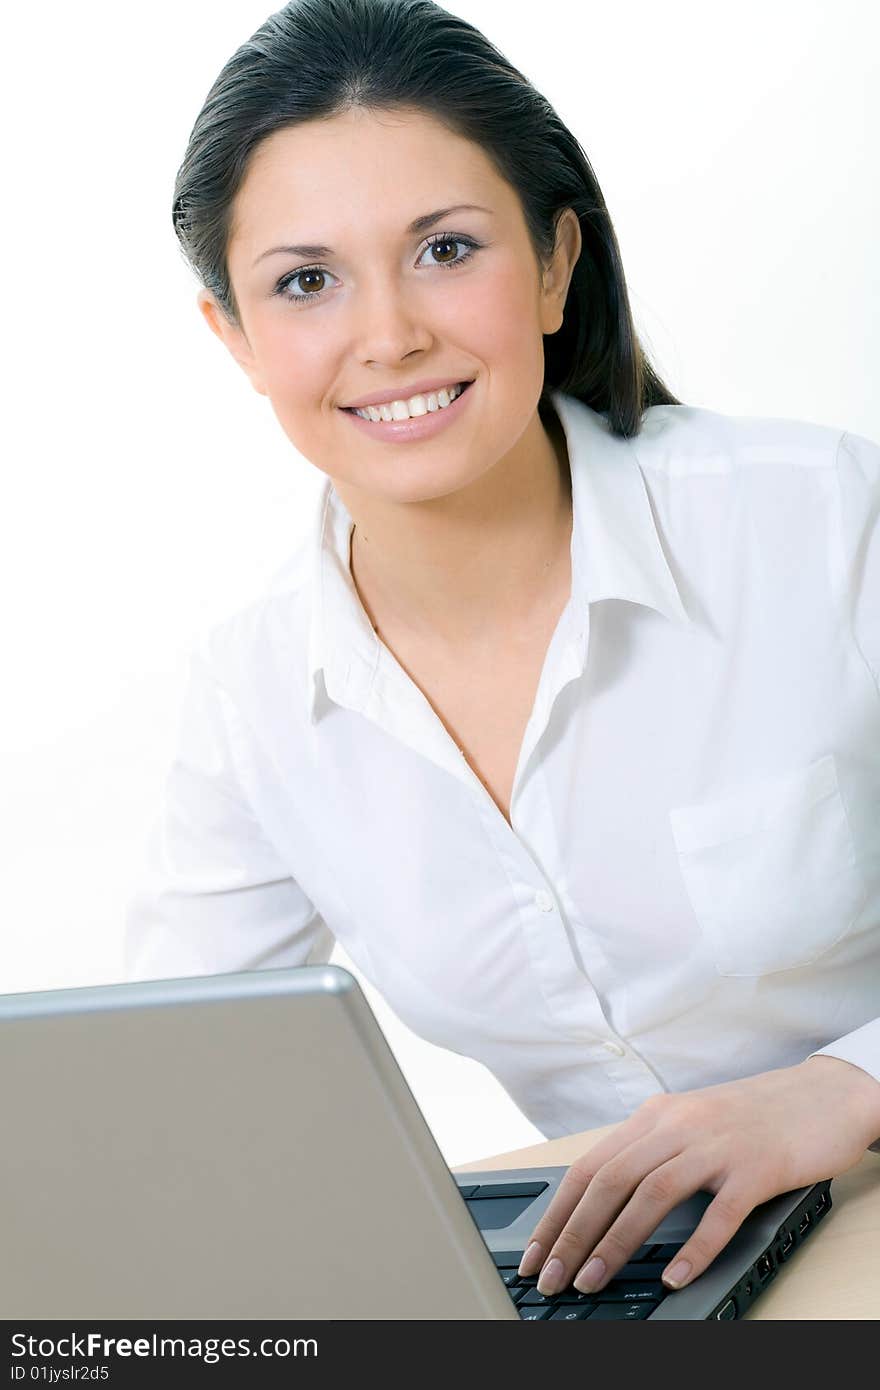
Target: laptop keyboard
633,1293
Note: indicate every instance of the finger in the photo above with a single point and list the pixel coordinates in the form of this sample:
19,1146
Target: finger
609,1192
722,1219
570,1191
667,1184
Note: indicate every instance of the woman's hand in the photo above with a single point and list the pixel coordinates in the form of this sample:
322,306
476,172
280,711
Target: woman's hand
745,1141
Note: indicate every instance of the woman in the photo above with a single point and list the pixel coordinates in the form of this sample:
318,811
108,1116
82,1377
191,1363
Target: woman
566,725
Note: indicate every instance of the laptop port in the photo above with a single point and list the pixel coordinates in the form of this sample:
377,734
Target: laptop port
764,1268
823,1202
804,1222
727,1311
786,1246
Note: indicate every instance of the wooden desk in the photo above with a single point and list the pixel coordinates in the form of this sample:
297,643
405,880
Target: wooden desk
835,1276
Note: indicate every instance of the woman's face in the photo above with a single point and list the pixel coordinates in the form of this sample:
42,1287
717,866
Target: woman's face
374,308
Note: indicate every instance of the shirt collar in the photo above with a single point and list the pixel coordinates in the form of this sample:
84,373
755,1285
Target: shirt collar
615,553
616,549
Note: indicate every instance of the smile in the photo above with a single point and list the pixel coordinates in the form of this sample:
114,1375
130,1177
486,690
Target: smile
415,419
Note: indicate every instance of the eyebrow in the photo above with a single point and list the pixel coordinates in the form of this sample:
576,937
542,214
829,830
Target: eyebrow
421,224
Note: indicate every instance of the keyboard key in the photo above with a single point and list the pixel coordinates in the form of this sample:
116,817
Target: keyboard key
531,1313
509,1276
570,1313
532,1296
573,1295
641,1269
620,1312
665,1252
619,1291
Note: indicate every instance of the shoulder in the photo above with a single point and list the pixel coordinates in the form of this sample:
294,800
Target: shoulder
681,441
800,500
779,482
766,459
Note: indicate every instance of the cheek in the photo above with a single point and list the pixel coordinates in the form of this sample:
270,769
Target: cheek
294,361
497,317
295,373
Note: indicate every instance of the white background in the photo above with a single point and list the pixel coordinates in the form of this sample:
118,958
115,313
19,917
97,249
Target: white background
148,490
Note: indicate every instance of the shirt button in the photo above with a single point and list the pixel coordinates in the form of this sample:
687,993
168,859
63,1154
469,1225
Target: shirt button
615,1048
543,900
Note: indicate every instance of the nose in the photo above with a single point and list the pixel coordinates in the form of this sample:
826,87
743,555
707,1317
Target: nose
389,324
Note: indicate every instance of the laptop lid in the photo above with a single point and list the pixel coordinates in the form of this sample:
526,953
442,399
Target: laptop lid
233,1146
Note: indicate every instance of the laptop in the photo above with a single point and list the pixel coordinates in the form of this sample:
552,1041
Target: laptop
245,1146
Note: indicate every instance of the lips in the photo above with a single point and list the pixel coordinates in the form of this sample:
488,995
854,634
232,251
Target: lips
414,429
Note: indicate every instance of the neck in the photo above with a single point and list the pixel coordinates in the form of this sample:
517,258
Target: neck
482,562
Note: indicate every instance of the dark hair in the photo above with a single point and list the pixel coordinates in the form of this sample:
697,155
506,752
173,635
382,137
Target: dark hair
317,58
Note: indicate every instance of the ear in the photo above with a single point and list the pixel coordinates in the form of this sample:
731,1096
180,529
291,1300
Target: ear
232,336
557,277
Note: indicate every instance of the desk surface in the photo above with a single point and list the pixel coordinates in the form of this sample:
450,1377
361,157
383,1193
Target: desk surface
835,1276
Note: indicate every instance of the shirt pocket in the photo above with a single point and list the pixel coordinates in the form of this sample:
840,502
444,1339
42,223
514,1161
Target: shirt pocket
771,870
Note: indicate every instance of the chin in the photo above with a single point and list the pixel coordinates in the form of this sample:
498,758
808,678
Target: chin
425,484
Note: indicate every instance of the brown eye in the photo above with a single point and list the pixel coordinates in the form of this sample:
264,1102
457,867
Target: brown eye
307,280
449,252
446,249
299,286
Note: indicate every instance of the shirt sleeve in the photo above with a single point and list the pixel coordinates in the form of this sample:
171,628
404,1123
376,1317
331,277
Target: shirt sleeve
858,466
862,1048
215,896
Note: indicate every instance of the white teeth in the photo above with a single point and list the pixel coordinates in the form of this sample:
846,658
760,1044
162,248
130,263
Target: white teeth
416,405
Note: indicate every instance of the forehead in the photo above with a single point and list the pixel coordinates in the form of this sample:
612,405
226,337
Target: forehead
320,179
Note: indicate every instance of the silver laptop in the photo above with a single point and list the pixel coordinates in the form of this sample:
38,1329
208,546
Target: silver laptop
245,1146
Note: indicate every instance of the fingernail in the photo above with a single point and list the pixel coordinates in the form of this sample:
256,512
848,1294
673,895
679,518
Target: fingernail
530,1260
678,1273
591,1276
550,1279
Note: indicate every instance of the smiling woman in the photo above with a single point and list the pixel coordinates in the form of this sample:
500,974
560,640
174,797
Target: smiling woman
389,315
640,887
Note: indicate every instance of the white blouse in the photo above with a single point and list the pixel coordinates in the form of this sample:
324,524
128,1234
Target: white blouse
689,891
